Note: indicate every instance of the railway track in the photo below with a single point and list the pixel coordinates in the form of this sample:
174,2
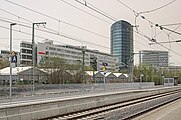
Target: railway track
124,110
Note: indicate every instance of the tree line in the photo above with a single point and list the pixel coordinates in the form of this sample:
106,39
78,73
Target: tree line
61,72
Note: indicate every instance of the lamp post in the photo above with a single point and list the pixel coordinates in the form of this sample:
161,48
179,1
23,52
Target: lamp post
10,78
33,51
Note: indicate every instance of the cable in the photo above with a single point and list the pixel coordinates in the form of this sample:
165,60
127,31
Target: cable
16,39
171,24
128,7
16,21
174,41
13,14
73,38
54,19
153,10
161,28
107,14
44,38
54,32
96,10
66,36
113,19
150,39
154,40
100,10
62,35
138,14
84,11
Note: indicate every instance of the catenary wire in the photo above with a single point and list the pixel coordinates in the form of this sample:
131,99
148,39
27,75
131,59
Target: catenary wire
171,24
138,14
54,32
96,10
83,11
80,28
62,35
153,10
56,19
40,13
137,32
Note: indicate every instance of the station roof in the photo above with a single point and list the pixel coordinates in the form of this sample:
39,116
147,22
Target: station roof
15,71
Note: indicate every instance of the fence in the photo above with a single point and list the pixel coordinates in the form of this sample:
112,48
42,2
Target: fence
67,89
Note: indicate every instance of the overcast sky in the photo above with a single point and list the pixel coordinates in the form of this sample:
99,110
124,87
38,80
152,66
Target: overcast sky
62,18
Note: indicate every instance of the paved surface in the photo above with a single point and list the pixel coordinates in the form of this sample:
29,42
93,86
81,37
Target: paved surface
171,111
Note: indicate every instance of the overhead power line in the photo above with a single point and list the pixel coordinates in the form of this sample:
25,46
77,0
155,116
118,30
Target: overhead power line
96,10
171,24
62,35
175,41
84,11
60,20
136,13
14,15
51,31
89,4
56,19
114,20
143,17
150,39
153,10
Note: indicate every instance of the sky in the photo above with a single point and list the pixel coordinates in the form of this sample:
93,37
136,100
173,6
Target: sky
69,22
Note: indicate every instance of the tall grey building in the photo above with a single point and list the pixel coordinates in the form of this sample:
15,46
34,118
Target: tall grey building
122,42
155,57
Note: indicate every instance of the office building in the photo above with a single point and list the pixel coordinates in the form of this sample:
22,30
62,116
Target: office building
26,53
122,42
154,57
74,55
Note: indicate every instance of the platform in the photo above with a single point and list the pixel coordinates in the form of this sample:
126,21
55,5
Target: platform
171,111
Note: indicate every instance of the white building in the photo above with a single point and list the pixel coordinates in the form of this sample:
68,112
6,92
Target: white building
74,54
25,53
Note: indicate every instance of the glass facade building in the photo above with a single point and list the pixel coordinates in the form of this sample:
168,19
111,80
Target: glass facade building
122,42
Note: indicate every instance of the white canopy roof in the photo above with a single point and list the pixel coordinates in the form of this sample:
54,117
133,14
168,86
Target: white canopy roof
15,71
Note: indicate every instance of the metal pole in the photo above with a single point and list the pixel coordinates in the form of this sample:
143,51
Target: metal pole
140,66
104,81
10,78
33,59
175,71
93,76
33,52
132,67
83,52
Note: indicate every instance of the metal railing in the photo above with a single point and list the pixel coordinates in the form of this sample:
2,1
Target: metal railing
67,89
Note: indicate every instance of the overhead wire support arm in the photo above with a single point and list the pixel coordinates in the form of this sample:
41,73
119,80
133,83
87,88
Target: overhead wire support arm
33,53
166,42
161,28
